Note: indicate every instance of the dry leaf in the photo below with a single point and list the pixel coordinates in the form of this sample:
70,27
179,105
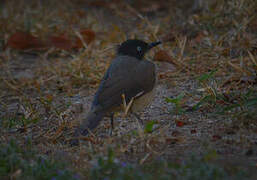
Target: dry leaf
180,123
23,41
87,35
61,42
163,56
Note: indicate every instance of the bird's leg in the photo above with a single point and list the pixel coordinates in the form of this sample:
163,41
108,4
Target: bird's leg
112,125
126,106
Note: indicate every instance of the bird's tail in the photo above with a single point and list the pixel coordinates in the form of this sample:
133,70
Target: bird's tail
91,122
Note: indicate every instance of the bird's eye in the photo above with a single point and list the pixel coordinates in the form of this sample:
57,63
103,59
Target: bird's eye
139,48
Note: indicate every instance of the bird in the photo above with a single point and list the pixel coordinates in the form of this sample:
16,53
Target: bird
129,75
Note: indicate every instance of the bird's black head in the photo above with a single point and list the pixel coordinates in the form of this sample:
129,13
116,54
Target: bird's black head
135,48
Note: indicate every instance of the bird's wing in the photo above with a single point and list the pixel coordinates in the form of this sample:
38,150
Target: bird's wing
128,76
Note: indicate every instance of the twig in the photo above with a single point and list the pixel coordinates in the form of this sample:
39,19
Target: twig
81,38
252,58
126,106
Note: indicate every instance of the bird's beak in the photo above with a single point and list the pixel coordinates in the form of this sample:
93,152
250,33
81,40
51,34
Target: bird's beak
154,44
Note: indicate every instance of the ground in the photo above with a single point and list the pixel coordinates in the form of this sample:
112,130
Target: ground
203,117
